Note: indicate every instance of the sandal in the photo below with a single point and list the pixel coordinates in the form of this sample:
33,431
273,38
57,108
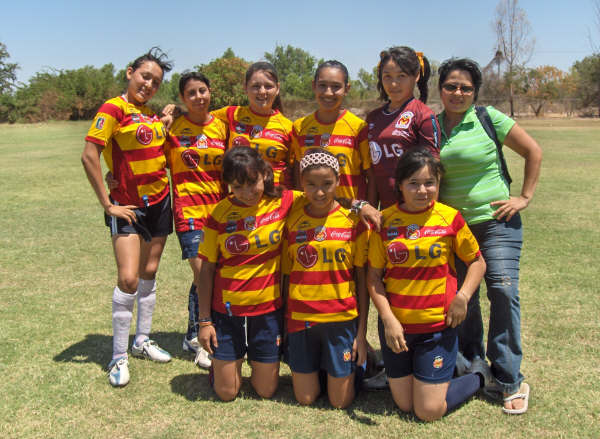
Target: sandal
523,393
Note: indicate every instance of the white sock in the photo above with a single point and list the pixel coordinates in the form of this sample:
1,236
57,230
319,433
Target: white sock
122,311
146,295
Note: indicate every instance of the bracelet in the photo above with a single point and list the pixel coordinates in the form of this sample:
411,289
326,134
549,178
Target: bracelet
204,319
357,205
203,324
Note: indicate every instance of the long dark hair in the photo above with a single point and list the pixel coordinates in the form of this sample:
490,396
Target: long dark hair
244,165
412,161
269,69
155,54
409,62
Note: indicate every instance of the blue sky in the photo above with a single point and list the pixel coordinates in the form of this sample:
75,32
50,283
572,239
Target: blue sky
71,34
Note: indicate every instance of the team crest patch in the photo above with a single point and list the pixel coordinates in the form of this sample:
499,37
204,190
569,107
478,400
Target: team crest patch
324,140
397,252
201,141
347,356
392,233
99,123
320,233
404,120
256,131
307,255
438,362
250,223
144,135
375,151
301,236
241,141
412,231
190,158
230,227
237,244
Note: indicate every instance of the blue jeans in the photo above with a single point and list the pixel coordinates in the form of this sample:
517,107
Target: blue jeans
500,243
192,330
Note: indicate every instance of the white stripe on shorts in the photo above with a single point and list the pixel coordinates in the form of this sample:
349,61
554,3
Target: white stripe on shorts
113,222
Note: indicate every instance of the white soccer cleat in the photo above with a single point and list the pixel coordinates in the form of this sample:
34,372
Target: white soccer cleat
118,372
150,350
202,358
191,345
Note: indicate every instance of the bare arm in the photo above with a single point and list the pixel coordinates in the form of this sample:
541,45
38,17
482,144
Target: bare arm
359,353
206,334
372,197
394,333
523,144
90,158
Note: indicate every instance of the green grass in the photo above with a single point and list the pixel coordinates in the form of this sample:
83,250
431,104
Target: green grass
57,273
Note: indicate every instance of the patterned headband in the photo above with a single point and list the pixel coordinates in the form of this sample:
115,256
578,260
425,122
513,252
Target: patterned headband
320,158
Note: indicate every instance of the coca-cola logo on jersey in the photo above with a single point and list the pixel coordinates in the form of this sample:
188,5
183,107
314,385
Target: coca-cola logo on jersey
341,236
270,217
237,244
273,136
307,255
337,140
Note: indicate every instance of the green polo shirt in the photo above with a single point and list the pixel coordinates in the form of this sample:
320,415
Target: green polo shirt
473,177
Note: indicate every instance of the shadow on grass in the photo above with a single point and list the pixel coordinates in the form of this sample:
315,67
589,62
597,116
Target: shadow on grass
97,348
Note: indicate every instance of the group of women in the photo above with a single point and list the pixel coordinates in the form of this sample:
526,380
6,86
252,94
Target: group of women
277,269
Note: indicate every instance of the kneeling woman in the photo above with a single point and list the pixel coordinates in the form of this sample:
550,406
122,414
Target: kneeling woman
325,250
418,304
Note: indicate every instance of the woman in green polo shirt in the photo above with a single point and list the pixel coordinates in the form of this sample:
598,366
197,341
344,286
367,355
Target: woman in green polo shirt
476,184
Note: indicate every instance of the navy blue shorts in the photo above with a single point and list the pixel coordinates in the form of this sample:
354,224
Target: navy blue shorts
263,340
152,221
326,346
431,357
188,241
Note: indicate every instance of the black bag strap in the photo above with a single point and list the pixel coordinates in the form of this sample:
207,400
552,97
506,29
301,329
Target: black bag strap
488,126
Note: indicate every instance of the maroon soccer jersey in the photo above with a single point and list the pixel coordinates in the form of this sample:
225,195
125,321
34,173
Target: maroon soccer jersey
392,133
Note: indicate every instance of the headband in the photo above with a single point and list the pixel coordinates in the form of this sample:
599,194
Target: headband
320,158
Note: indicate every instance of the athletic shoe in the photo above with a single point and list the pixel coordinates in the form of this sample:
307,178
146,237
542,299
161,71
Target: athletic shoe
118,372
150,350
462,364
482,368
202,358
377,382
191,345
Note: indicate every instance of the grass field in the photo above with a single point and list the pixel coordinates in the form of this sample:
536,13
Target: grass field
57,273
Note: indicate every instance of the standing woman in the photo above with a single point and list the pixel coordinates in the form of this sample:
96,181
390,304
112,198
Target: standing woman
338,130
403,122
194,151
476,184
325,252
260,124
138,211
412,282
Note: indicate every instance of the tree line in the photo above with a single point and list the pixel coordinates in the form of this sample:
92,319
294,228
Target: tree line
76,94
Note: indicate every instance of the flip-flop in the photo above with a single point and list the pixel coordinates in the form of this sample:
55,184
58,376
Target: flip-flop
524,394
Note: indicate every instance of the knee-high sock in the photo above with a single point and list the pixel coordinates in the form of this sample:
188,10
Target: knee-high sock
146,300
122,311
461,389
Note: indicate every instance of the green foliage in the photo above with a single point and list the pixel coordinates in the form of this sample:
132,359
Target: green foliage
8,75
295,68
226,75
587,78
365,87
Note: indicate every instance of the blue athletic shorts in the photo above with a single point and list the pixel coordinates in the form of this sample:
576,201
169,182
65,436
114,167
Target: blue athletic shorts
152,221
431,357
188,241
326,346
263,341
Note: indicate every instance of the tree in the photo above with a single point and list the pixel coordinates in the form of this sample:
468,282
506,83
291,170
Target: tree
8,75
587,77
296,69
226,75
365,87
513,40
542,85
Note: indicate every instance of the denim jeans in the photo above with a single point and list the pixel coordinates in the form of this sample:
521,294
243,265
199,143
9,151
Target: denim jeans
500,243
192,330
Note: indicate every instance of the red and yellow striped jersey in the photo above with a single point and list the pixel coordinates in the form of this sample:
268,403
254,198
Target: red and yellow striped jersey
195,156
417,251
346,138
320,255
245,244
132,137
269,135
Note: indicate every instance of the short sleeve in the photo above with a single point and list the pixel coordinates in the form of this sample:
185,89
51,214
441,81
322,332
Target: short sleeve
362,245
208,248
465,244
105,123
363,146
429,134
376,252
502,123
221,114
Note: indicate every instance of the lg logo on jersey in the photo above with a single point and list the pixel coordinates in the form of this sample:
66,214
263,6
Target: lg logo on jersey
308,256
398,253
377,152
238,244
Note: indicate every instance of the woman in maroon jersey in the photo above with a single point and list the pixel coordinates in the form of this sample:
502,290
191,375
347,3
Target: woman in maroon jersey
403,122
